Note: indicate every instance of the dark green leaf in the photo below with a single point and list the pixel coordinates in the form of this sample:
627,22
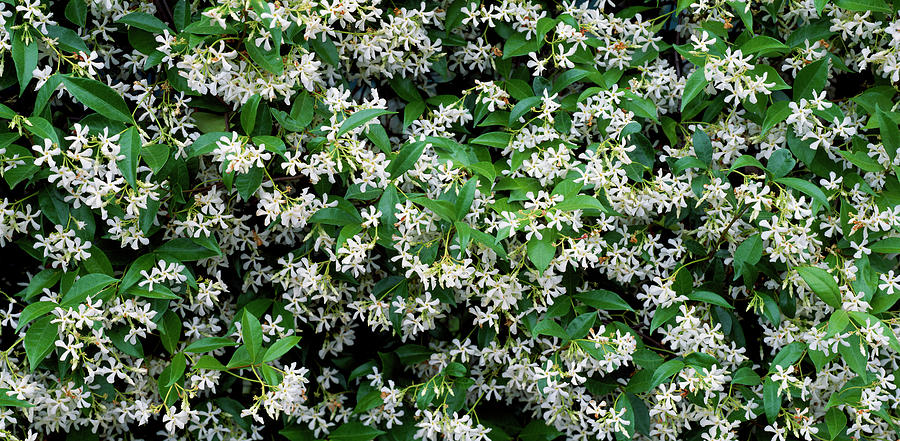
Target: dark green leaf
252,334
359,118
98,97
87,285
248,114
145,21
208,344
604,300
280,347
822,284
24,57
40,340
665,371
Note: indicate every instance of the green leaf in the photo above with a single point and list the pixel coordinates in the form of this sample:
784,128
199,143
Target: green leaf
746,376
19,172
662,315
640,106
747,253
412,112
864,5
806,187
568,77
206,143
280,347
269,60
186,250
836,421
379,137
444,209
87,285
580,325
541,251
692,88
368,401
76,12
838,322
248,114
145,21
711,298
207,344
519,110
854,355
493,139
627,432
405,88
517,45
788,355
24,57
9,401
665,371
580,202
862,160
40,340
604,300
886,246
173,372
781,162
354,431
775,114
822,284
68,39
133,274
248,183
812,77
771,400
702,146
336,216
325,49
406,159
98,97
130,144
252,335
890,134
410,354
464,199
156,156
170,331
763,44
181,15
208,362
551,328
34,311
360,118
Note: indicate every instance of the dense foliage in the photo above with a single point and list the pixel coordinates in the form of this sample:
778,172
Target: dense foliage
448,220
